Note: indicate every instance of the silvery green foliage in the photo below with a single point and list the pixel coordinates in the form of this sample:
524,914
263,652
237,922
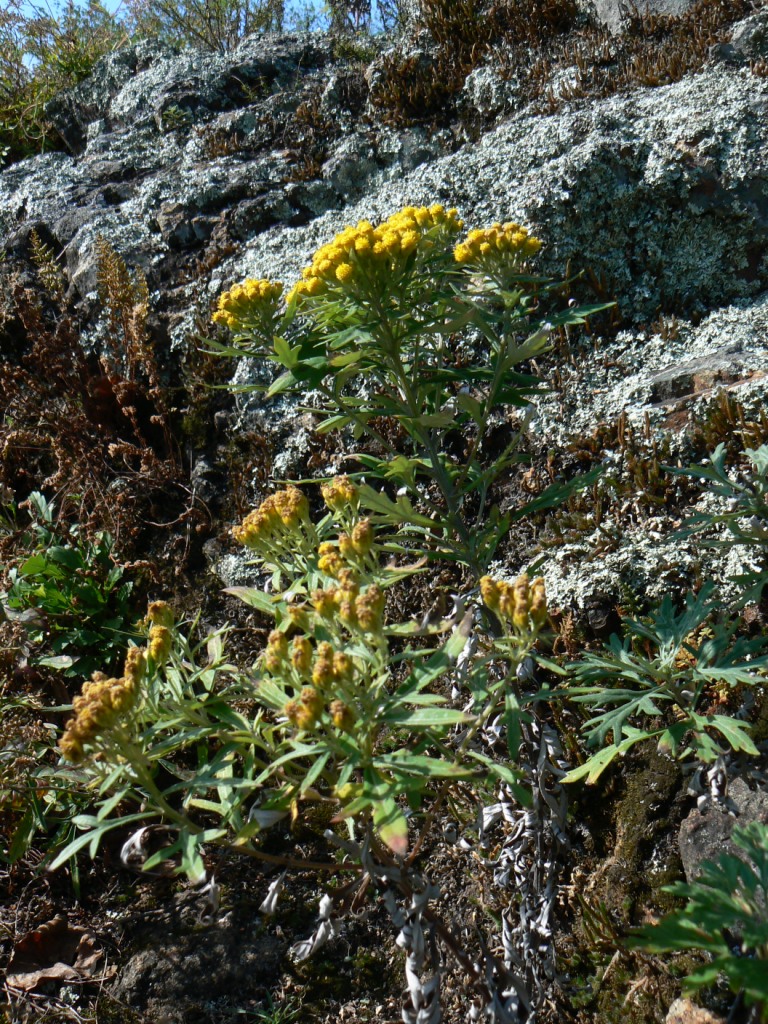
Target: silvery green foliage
650,685
745,518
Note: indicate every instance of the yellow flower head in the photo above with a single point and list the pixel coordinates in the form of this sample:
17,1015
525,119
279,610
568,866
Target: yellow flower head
342,716
298,617
341,493
99,705
369,609
282,517
522,604
489,592
312,699
135,666
362,253
248,305
322,671
277,651
502,245
160,613
362,537
343,666
324,602
301,654
160,642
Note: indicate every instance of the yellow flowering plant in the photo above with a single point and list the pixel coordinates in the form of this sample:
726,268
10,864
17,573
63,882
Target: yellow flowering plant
134,738
414,324
346,710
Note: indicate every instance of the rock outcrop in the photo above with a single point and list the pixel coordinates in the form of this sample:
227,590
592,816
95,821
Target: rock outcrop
204,169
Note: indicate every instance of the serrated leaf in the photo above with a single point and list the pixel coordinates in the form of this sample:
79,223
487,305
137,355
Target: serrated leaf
737,733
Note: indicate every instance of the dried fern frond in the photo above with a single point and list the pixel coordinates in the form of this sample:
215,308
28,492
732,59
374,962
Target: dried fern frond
125,298
51,274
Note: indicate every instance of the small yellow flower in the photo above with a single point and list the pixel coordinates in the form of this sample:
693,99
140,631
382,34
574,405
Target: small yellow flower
160,613
362,537
522,604
160,643
246,304
312,699
369,609
322,671
342,716
101,702
489,592
346,547
301,654
297,614
340,494
324,602
343,666
135,665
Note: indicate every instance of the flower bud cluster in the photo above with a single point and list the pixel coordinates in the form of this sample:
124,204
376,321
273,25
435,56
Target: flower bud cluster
103,702
248,305
319,671
359,610
365,252
340,494
522,604
276,525
501,244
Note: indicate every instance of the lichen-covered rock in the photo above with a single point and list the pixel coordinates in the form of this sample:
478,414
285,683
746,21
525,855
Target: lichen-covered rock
613,13
706,835
203,169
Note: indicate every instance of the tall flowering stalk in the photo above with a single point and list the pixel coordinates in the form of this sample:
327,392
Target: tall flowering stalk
409,323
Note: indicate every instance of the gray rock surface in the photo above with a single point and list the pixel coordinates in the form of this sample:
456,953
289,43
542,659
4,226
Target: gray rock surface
613,13
706,835
196,170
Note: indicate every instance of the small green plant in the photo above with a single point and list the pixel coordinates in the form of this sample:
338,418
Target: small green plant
70,595
726,915
746,517
283,1011
652,684
45,48
38,797
417,341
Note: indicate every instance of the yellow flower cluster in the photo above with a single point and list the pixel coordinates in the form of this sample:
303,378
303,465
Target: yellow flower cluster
246,304
160,643
359,252
357,609
352,548
275,519
522,603
101,702
318,670
501,243
340,494
160,613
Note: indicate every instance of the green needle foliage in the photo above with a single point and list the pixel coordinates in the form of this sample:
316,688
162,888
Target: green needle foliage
726,915
650,685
